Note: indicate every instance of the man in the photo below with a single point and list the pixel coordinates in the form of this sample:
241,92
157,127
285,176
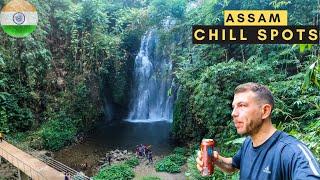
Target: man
109,159
1,136
149,156
267,153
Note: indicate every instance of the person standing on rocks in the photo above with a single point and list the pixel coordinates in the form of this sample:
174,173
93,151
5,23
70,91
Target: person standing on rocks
1,136
137,150
144,151
149,156
109,159
140,150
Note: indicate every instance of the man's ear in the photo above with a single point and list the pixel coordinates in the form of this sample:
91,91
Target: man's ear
266,111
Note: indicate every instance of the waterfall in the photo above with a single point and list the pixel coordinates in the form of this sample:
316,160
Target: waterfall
152,97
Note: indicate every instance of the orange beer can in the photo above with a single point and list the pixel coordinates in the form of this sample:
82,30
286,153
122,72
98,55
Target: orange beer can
207,146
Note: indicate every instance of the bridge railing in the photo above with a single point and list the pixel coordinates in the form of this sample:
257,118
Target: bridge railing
33,173
49,161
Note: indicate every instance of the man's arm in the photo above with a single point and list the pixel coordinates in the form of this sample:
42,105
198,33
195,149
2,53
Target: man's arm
225,164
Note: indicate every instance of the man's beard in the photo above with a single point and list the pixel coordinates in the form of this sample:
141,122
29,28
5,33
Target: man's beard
253,127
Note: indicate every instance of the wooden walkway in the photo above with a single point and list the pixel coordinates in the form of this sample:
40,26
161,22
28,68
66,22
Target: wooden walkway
28,164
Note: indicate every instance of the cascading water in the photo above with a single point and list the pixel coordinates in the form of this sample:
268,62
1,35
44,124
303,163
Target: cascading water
152,99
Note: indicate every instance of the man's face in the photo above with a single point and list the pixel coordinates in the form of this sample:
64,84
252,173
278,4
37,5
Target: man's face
246,114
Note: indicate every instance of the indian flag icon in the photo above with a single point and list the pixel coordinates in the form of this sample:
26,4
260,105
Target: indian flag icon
18,18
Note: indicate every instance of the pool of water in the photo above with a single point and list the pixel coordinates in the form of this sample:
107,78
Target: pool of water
121,135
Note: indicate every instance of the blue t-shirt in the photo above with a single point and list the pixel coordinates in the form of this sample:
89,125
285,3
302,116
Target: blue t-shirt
280,157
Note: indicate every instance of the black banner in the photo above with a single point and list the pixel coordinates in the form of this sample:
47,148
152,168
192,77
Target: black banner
255,34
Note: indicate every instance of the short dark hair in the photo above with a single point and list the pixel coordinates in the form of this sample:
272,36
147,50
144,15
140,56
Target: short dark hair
262,92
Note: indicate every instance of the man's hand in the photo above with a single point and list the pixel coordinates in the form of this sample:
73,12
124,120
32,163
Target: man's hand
200,162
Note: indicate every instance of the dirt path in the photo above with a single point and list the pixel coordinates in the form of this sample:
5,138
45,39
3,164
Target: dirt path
144,169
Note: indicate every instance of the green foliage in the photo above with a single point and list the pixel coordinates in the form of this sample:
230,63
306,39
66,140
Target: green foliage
177,158
53,137
212,94
171,163
63,67
184,125
150,178
166,165
208,13
279,4
312,75
81,108
300,11
160,9
180,151
132,162
309,134
293,104
193,172
177,8
15,117
116,171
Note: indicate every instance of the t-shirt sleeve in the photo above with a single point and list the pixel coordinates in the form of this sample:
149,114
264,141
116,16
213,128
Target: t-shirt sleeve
300,163
236,159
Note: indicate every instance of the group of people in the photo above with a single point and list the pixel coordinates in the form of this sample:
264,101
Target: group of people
67,176
144,151
77,175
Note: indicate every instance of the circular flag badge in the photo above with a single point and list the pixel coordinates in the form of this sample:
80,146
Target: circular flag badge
18,18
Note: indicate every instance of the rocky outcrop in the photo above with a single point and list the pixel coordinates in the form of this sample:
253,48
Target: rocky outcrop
116,156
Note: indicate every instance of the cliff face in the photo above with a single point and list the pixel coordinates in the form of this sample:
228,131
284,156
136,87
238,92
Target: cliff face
77,51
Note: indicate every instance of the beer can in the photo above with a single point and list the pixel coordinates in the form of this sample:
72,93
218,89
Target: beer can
207,146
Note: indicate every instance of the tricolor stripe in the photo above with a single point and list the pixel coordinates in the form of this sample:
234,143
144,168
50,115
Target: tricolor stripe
18,6
31,18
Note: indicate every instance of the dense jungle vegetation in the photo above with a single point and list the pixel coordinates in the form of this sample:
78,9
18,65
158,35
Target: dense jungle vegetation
53,84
